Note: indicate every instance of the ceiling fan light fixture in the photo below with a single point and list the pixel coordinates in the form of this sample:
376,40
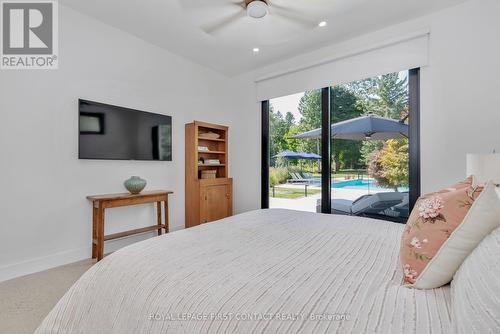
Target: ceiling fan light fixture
256,50
322,24
257,9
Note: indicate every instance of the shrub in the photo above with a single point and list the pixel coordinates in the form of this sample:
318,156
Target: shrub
389,166
278,176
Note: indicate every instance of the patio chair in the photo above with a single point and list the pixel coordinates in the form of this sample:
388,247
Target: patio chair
367,205
309,177
296,177
401,210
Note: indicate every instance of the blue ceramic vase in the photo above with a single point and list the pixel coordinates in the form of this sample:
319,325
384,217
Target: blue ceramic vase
135,184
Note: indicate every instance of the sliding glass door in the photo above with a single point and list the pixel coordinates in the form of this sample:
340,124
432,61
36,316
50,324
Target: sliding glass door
370,147
368,129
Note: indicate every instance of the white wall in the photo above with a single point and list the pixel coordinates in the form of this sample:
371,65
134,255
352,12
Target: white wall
460,87
245,146
460,91
45,219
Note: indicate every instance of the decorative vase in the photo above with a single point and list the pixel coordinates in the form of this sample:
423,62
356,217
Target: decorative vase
135,184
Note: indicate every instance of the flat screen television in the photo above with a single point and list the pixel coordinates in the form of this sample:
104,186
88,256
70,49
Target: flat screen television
109,132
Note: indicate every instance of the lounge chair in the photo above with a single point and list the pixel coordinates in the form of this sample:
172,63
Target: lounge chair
367,205
309,177
296,178
401,210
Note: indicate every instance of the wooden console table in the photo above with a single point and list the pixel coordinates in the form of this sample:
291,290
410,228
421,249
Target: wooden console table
102,202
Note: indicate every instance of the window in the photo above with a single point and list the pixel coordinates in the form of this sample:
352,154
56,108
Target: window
369,129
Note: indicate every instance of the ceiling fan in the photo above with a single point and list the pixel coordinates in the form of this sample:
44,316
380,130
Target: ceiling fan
254,9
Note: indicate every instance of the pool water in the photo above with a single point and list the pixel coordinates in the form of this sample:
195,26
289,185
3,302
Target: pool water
363,185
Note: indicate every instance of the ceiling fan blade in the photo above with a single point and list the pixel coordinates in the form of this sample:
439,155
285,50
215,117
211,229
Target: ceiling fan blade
213,28
211,3
291,15
295,18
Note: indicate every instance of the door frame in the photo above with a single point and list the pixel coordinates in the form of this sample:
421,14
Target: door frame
413,135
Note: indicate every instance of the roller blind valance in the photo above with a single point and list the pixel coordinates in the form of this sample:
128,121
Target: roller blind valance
407,52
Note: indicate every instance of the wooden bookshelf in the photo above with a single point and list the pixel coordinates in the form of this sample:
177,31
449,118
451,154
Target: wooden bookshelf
211,152
212,165
210,139
207,199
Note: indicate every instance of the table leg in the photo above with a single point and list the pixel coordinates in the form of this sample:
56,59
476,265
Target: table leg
94,231
158,217
165,208
100,233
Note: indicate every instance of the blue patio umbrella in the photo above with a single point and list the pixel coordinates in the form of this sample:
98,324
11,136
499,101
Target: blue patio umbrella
369,127
297,155
310,156
288,154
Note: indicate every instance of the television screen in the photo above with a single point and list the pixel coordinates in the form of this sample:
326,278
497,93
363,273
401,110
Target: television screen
116,133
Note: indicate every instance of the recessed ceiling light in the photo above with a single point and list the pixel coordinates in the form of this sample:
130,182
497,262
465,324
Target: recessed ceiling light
256,50
322,24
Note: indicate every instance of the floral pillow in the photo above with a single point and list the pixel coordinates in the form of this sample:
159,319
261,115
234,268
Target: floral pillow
443,228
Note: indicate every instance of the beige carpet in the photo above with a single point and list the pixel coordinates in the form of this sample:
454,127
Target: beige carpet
25,301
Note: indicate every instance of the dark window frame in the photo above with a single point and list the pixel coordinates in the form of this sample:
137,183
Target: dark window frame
265,159
414,145
414,135
326,150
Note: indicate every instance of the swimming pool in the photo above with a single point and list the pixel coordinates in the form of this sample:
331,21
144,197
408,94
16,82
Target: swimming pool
363,185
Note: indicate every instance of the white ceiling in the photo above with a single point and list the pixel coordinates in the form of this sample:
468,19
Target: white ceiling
176,26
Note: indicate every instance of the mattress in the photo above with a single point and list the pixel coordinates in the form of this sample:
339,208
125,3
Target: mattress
266,271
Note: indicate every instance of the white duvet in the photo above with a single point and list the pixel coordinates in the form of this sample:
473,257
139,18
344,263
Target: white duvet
267,271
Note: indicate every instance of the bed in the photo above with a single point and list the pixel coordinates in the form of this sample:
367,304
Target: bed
265,271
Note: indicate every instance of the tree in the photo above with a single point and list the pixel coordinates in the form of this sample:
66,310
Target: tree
389,166
367,148
392,94
345,106
293,144
289,119
279,127
310,111
386,95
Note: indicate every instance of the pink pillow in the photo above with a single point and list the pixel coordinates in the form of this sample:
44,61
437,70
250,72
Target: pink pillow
443,228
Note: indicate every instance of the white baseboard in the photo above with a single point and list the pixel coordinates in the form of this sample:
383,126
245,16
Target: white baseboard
43,263
19,269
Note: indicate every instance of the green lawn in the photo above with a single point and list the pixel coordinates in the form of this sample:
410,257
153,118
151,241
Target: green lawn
292,193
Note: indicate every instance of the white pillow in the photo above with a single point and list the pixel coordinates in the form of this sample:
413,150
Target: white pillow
475,289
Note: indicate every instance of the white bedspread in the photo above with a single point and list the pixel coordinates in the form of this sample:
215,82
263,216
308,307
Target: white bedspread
267,271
